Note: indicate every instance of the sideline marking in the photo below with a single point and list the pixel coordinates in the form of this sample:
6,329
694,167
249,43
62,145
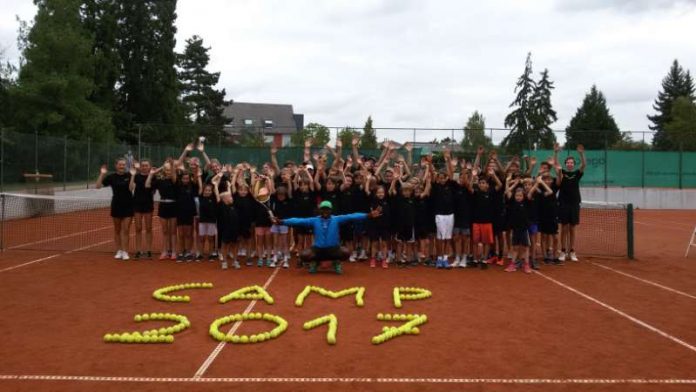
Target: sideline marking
366,380
650,282
54,256
216,351
57,238
619,312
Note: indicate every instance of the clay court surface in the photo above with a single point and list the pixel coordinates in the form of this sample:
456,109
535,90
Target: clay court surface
600,324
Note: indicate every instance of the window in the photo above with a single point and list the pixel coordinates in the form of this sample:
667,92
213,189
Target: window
268,123
248,122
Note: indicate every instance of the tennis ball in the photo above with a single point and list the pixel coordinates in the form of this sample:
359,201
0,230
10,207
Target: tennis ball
244,339
108,337
380,316
253,339
169,339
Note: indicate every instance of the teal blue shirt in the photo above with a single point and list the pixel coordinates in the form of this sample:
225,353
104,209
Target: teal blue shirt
326,230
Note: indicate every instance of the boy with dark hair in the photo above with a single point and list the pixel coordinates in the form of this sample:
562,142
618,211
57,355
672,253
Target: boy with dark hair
569,199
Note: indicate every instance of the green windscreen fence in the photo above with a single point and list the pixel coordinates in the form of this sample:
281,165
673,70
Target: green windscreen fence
649,169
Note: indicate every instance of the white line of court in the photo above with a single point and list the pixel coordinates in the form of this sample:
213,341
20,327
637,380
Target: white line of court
216,351
646,281
364,380
620,313
54,256
57,238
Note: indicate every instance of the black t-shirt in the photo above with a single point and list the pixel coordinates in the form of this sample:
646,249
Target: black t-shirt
245,209
282,209
443,198
185,198
533,207
383,220
462,210
569,192
346,201
404,211
207,209
166,188
142,195
424,212
483,206
361,202
305,203
261,216
518,217
548,204
119,186
333,197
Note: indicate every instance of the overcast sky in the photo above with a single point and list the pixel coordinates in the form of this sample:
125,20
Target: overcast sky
412,63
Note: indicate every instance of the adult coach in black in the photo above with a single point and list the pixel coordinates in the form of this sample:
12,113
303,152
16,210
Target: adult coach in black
121,204
568,181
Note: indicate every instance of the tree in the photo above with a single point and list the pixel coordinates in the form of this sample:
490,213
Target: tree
251,138
319,134
677,83
369,137
347,134
592,125
627,143
6,83
203,103
474,133
519,119
148,87
542,115
56,81
680,131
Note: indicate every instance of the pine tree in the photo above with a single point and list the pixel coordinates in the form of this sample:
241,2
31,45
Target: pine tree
6,82
149,88
543,114
519,119
681,129
203,103
369,137
677,83
474,133
592,125
56,81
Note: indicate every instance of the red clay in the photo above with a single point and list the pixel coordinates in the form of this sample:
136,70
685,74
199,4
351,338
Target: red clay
482,324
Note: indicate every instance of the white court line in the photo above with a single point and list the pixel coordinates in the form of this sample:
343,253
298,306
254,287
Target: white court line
365,380
660,225
650,282
57,238
689,225
620,313
54,256
208,361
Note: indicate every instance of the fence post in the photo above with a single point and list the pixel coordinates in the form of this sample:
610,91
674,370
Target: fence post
414,136
36,150
681,153
606,163
140,131
65,161
629,230
642,163
2,223
89,158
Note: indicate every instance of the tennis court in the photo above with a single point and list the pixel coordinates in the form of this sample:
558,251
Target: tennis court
600,324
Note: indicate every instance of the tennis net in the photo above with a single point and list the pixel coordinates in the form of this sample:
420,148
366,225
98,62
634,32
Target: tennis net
68,223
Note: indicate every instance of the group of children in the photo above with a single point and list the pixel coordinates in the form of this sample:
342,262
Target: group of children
456,214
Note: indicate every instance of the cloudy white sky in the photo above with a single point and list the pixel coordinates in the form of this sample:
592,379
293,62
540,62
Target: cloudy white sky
417,63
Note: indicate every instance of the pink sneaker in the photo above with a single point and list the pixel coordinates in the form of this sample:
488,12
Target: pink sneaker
373,262
527,268
172,256
501,261
164,256
511,267
385,264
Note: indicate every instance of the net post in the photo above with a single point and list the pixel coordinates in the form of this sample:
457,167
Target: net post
2,159
65,161
2,222
629,230
89,157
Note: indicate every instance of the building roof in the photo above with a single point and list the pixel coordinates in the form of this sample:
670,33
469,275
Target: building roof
282,116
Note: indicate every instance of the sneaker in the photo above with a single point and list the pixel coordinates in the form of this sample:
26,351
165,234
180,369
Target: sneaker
557,262
353,257
272,263
492,260
500,260
363,255
148,255
241,252
172,256
212,256
124,255
286,264
137,255
373,263
224,265
456,262
548,260
562,256
511,267
180,258
338,268
527,268
118,255
473,263
385,263
249,263
438,262
462,262
189,256
573,256
236,265
199,257
164,256
533,263
259,263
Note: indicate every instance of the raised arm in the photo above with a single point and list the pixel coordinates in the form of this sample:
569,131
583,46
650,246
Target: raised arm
409,154
102,173
498,184
583,161
216,183
150,175
448,163
187,149
307,146
201,148
356,155
274,158
133,171
477,160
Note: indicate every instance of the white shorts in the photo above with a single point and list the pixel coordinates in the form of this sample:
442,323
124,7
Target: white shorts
207,229
444,224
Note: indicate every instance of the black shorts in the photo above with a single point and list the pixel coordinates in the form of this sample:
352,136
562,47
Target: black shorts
228,235
569,214
321,254
303,230
167,210
406,234
184,220
548,226
423,232
122,210
520,237
346,232
378,233
144,207
499,223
